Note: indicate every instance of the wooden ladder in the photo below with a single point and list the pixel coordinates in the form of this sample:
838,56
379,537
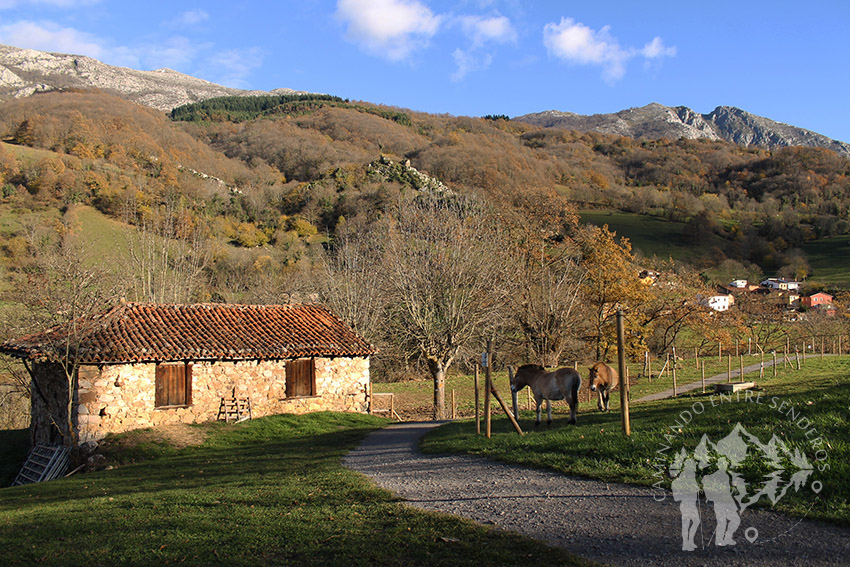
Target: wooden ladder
234,409
44,463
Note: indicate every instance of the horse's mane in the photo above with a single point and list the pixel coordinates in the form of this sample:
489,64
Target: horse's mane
531,367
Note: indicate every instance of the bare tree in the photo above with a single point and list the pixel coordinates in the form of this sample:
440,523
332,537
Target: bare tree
64,290
168,250
445,277
351,281
545,294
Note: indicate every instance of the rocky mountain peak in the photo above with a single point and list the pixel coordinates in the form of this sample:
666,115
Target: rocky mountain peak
655,121
27,71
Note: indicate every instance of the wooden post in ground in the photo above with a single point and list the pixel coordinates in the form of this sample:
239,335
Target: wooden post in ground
696,357
774,364
507,410
488,386
454,405
528,399
719,351
624,383
477,414
703,376
369,406
797,354
729,369
749,346
649,367
761,367
674,374
822,346
741,372
785,358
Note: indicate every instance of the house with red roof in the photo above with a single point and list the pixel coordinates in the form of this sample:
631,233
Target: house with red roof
142,365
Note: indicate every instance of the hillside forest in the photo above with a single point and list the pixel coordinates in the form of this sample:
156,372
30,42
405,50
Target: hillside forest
424,232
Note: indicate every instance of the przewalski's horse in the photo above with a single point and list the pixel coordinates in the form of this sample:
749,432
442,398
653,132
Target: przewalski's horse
560,384
602,380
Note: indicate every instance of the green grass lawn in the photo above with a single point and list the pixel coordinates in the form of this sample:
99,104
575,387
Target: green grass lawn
271,491
828,259
651,236
596,448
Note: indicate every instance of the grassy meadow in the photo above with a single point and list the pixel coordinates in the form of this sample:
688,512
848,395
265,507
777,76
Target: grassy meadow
271,491
596,448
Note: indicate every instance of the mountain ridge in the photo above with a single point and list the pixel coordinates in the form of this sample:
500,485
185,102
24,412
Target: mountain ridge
24,72
655,121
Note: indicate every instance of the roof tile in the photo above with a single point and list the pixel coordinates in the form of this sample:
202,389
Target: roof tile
153,332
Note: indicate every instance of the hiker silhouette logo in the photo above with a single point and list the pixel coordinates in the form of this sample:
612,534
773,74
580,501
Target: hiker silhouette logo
717,471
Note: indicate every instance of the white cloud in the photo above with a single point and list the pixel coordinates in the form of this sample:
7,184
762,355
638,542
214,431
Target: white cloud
392,29
577,43
49,36
467,62
232,68
655,49
482,30
192,18
8,4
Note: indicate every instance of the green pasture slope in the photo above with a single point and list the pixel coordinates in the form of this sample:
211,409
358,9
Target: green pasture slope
829,258
271,491
651,236
596,447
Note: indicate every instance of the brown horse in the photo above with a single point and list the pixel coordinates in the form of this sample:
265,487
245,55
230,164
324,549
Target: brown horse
602,380
560,384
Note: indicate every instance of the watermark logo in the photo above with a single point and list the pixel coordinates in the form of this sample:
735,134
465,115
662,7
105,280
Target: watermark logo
713,477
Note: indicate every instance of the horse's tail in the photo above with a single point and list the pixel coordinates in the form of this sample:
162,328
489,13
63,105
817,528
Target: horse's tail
576,386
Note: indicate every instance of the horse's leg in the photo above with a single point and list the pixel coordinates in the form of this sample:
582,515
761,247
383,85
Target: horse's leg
600,396
548,413
573,402
607,399
539,401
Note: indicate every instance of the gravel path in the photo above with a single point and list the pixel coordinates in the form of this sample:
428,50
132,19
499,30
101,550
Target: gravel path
610,523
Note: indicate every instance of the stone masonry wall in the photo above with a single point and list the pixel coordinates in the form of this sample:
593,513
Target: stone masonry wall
121,397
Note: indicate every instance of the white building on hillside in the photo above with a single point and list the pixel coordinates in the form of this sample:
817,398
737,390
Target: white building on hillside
781,284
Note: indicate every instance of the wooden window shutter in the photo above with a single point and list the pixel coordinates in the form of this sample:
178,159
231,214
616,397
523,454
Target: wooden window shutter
173,384
300,378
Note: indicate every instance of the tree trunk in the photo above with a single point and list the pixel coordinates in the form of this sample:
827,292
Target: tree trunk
438,372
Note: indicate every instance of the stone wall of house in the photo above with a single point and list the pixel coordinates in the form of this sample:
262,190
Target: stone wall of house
121,397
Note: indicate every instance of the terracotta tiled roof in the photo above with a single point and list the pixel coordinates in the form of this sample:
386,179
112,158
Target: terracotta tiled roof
151,332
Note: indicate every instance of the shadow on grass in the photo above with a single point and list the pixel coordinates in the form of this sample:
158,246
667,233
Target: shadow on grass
14,446
268,492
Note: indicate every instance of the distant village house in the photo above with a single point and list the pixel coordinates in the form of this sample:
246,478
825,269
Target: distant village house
140,365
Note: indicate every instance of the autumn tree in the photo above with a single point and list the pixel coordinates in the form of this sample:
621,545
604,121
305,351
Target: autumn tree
610,283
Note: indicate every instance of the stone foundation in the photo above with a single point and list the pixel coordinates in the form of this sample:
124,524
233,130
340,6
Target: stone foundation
121,397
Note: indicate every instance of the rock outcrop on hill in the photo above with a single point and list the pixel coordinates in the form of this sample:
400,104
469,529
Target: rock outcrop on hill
27,71
655,121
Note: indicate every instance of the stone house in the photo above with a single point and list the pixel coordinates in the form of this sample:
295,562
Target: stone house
141,365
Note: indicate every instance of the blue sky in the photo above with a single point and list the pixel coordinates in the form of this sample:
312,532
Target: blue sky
785,60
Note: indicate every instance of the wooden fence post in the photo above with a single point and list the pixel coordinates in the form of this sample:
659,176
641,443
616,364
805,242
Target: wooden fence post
477,414
729,369
703,376
487,389
774,364
454,405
